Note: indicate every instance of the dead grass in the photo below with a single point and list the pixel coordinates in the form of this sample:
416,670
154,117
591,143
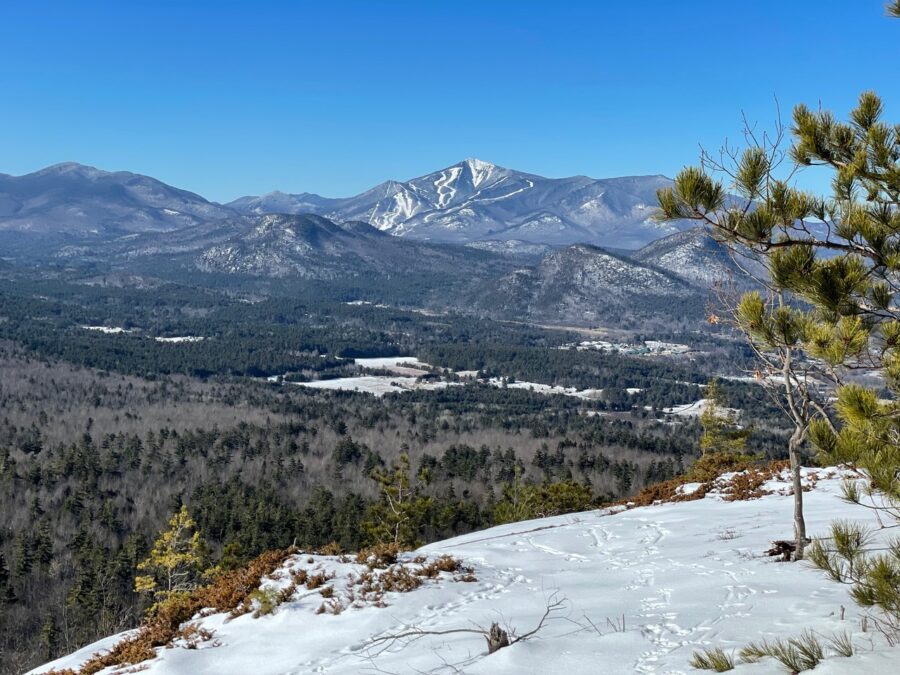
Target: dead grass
379,556
746,482
164,625
317,580
238,592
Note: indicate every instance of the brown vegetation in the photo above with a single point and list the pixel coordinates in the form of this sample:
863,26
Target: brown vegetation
165,624
745,483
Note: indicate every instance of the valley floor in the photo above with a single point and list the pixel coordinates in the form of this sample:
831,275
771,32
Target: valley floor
642,590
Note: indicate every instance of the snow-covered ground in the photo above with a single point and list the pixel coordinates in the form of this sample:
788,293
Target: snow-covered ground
180,338
401,365
406,369
653,347
536,387
377,385
642,589
109,330
117,330
696,409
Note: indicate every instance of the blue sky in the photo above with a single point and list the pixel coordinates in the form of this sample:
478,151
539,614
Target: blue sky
228,98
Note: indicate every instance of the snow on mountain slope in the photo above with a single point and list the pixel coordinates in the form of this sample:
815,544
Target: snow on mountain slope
475,200
696,256
670,579
585,285
312,247
74,199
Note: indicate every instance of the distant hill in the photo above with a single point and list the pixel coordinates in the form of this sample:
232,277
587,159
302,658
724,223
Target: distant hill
315,247
70,200
300,246
697,257
584,284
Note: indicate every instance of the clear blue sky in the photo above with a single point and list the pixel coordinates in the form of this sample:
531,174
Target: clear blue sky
228,98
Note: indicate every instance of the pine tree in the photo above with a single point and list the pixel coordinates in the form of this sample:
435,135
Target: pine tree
517,502
49,638
176,561
841,256
23,555
43,545
7,594
721,431
401,510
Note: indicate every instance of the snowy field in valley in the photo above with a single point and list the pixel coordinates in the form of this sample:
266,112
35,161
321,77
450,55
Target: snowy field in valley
180,339
548,389
401,365
377,385
409,368
697,408
641,590
108,330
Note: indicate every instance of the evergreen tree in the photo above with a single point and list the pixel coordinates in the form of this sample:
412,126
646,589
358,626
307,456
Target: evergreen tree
401,510
841,256
49,638
721,431
175,562
517,502
523,501
23,555
43,545
7,594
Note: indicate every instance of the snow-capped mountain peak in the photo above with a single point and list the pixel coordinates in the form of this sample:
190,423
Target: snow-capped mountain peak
476,200
480,170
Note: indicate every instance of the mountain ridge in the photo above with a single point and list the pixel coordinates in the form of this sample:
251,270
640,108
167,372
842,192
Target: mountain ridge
470,201
475,200
71,199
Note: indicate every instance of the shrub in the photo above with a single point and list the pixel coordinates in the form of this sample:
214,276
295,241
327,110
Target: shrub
795,654
379,556
315,581
713,659
227,592
842,644
266,599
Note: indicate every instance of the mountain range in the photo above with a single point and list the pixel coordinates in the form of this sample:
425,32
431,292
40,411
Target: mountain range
507,243
472,201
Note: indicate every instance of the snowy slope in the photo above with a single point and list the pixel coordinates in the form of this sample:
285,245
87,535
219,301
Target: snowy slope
680,576
475,200
585,285
696,256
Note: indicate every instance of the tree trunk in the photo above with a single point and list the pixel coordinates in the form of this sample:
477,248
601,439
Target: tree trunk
799,522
